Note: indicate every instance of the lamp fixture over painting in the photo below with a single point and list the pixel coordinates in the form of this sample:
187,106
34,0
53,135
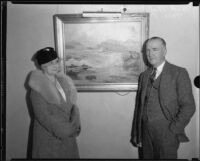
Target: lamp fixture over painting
101,14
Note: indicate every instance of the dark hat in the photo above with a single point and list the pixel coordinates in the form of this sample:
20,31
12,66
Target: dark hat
46,55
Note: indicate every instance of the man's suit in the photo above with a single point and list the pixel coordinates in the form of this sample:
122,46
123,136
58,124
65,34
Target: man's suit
175,98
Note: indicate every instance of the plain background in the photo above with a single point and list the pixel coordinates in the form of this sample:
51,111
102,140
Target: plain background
106,116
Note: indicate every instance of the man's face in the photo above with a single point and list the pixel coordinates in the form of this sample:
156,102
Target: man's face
156,52
52,67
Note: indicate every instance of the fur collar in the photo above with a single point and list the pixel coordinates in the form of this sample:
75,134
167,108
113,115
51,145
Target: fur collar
41,84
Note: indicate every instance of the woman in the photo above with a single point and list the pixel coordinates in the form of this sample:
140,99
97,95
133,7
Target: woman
57,121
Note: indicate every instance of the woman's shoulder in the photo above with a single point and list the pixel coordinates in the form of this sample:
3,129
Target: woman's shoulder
36,76
36,97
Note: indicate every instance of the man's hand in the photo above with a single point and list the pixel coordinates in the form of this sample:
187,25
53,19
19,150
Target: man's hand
134,142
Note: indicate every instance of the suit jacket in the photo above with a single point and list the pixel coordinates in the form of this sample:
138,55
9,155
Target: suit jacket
176,100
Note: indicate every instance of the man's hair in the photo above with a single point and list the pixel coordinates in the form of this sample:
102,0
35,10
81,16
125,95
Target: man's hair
158,38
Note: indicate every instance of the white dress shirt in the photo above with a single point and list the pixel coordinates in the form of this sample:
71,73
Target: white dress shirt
159,69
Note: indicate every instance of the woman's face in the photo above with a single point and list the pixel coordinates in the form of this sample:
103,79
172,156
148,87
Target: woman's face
52,67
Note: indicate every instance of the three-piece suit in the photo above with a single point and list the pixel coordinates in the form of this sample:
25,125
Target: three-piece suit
162,111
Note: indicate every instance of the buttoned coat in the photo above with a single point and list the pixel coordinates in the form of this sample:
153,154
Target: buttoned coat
175,97
56,121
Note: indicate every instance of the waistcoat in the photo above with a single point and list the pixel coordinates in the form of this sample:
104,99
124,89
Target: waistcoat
152,109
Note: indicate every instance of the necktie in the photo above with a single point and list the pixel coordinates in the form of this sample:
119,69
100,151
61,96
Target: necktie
153,75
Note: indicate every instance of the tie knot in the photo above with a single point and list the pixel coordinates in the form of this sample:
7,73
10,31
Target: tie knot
154,71
153,74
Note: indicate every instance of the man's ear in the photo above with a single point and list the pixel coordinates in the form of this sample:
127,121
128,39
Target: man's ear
165,50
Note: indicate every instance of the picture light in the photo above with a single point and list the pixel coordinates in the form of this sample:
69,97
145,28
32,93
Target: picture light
101,14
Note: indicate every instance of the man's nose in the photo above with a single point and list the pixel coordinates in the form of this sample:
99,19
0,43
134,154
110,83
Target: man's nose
151,52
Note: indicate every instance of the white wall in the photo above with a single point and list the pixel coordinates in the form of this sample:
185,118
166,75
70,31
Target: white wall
106,117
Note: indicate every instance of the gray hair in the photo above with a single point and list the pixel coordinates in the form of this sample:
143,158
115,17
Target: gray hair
158,38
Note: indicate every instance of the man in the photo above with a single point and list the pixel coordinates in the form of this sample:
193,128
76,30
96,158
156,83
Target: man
164,105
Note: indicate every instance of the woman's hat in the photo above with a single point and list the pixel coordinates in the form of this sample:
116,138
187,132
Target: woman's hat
46,55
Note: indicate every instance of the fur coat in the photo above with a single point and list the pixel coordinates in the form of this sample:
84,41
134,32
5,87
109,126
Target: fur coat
56,121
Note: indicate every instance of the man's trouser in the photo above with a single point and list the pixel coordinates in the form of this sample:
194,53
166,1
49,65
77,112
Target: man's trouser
158,142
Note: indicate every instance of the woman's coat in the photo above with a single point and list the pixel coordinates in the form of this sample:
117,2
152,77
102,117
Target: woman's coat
56,121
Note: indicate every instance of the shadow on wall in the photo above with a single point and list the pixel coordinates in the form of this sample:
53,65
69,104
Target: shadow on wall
31,114
30,110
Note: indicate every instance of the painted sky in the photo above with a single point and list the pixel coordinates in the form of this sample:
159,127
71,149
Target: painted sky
95,33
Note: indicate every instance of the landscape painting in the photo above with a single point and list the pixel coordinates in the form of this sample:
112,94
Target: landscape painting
102,54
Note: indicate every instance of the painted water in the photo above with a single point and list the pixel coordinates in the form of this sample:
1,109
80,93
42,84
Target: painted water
104,63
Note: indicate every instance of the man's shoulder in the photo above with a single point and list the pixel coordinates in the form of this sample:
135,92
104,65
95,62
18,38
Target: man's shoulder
175,71
148,69
142,74
174,67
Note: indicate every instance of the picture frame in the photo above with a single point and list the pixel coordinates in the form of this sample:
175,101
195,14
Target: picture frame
102,53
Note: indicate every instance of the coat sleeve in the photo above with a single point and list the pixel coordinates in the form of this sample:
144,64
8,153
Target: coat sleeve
185,101
51,117
75,117
135,138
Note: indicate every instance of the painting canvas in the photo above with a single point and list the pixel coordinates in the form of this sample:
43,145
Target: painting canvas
102,54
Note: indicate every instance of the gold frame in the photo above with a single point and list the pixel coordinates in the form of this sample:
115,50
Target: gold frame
60,20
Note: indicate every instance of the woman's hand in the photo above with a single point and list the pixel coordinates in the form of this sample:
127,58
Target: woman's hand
75,118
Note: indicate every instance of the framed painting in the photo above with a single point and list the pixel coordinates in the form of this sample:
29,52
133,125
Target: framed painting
102,53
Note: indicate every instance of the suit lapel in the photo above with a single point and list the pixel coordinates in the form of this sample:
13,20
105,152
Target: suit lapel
163,89
145,84
165,79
